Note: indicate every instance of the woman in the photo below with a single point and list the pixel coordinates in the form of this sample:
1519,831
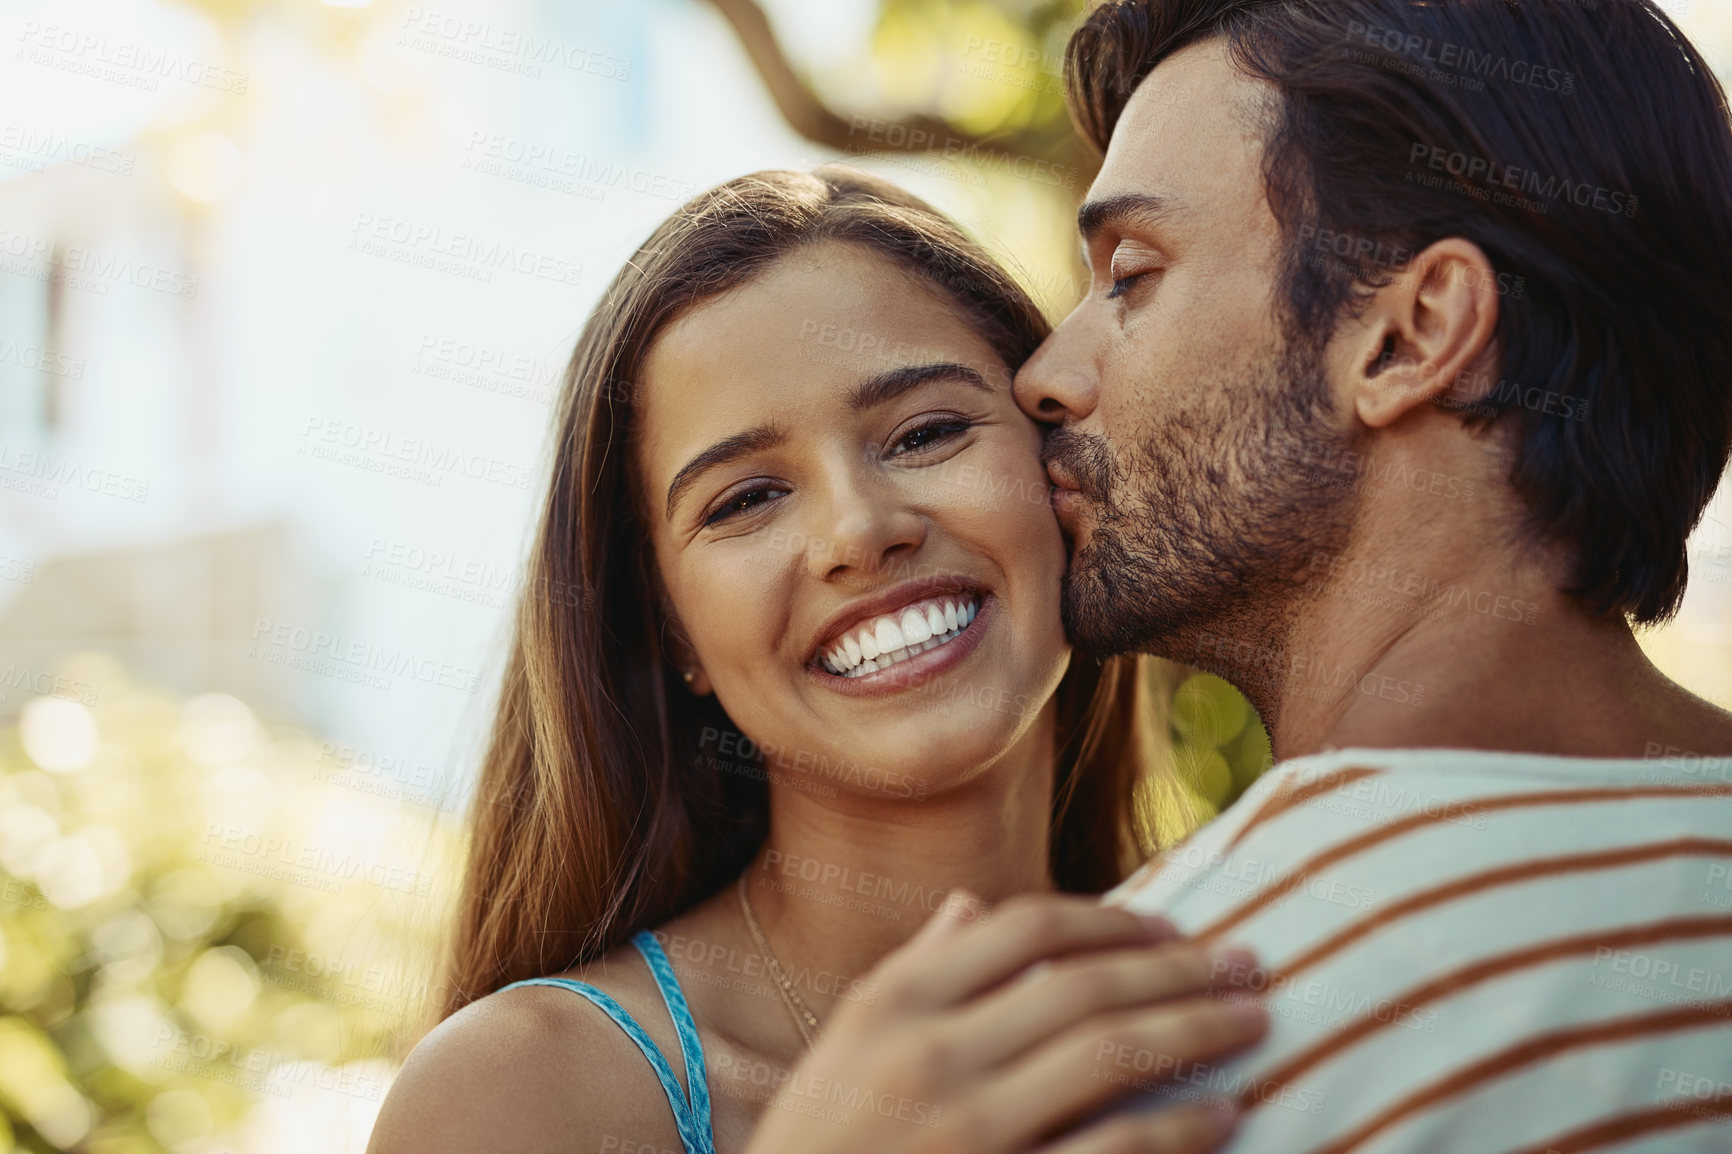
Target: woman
791,671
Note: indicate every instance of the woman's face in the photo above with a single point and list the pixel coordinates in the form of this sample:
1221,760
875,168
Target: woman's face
852,522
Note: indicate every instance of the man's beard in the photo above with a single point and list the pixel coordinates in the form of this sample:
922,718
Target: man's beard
1204,529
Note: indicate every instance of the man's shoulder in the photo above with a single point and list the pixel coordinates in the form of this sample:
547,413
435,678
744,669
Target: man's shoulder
1477,932
1442,782
1400,817
1286,787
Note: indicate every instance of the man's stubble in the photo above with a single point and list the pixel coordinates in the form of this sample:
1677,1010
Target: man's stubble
1205,526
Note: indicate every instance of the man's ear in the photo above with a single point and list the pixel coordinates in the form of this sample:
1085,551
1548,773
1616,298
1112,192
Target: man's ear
1420,335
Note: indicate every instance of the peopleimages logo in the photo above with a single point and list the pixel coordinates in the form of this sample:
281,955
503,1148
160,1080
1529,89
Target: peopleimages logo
1356,252
559,168
507,49
86,269
122,61
1519,182
1462,59
871,134
50,472
35,150
414,458
282,643
462,254
41,359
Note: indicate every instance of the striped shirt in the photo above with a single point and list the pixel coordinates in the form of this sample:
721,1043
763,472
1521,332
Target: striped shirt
1469,953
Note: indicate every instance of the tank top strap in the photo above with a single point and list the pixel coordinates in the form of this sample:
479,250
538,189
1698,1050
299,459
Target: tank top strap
691,1050
691,1117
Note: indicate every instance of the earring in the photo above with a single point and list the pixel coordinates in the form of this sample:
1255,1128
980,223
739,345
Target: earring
689,675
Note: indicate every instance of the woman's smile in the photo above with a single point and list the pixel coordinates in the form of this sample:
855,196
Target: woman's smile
897,636
902,647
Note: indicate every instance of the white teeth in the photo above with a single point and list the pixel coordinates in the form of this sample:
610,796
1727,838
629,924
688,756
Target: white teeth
887,640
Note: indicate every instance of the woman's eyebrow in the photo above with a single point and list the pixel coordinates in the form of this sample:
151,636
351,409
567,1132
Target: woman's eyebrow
754,440
893,383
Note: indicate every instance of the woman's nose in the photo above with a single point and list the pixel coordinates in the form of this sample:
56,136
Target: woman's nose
862,526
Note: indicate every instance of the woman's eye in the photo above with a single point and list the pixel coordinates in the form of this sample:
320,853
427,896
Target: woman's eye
742,502
928,435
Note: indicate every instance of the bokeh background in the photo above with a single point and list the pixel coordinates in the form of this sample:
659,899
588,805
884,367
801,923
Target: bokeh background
285,288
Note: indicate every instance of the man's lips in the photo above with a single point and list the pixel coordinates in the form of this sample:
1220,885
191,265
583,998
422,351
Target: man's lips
1078,465
1068,507
1066,497
1061,478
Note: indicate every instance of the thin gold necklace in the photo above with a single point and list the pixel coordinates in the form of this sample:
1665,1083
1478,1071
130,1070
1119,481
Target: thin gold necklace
804,1019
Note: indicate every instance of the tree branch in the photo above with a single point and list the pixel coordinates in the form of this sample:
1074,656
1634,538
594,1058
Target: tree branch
808,115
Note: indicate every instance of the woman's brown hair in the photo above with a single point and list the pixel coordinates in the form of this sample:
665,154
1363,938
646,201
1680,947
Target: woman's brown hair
598,813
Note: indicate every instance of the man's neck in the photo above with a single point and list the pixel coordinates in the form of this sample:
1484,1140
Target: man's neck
1470,652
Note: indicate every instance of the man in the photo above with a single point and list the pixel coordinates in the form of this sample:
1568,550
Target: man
1402,381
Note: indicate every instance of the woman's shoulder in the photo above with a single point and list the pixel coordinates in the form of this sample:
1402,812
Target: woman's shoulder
532,1069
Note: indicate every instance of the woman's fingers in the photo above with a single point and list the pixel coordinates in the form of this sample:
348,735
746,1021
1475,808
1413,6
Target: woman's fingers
1107,1058
1054,996
1180,1130
938,970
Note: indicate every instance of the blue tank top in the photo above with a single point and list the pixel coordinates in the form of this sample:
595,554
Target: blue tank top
691,1116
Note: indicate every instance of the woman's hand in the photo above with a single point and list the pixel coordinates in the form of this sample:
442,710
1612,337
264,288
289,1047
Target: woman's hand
1005,1034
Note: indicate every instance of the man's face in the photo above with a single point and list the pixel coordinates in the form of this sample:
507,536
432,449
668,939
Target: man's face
1187,415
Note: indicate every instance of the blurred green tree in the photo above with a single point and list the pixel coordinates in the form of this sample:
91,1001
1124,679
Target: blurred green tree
206,925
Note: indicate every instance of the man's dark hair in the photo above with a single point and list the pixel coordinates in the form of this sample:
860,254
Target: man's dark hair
1585,146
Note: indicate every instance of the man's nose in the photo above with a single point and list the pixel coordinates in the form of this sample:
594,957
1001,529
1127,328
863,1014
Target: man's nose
1058,383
